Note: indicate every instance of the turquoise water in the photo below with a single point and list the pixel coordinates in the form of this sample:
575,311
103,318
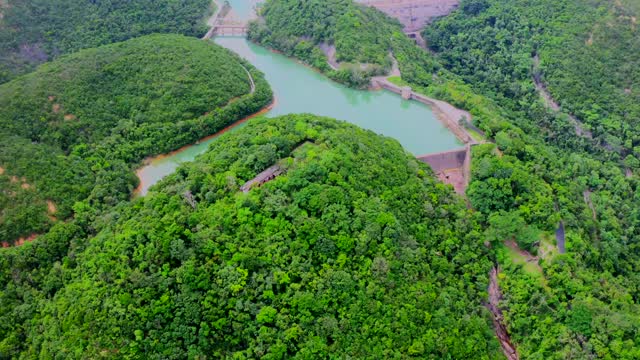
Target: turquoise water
300,89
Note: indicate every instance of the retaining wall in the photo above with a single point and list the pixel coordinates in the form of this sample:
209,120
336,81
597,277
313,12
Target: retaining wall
448,114
451,167
446,160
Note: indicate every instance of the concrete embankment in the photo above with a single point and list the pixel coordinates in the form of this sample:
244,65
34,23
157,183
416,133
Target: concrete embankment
448,114
451,167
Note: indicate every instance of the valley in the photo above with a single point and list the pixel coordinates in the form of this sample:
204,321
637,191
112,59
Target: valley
319,179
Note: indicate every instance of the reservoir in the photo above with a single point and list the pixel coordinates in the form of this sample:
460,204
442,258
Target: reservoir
300,89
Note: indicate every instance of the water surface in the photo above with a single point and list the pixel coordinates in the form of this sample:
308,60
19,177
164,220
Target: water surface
299,89
243,9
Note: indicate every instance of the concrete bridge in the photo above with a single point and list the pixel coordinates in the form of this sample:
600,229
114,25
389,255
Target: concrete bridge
230,30
227,30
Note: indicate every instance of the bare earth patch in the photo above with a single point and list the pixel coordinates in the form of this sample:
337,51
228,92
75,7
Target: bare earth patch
51,210
1,170
51,207
413,14
454,177
23,240
20,241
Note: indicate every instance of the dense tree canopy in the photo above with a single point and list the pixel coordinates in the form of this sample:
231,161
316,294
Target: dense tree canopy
355,250
540,171
361,36
587,305
589,55
73,128
33,31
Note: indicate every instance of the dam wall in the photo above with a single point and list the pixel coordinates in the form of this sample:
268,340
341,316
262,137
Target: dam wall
451,167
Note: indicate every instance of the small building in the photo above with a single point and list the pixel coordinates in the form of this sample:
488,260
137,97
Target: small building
265,176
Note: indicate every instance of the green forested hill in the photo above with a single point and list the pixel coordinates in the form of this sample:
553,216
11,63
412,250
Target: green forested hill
356,250
583,303
32,31
589,57
605,93
362,36
587,304
72,129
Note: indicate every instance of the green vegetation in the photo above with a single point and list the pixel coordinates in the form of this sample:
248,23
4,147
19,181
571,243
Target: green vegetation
299,29
494,50
360,36
356,250
33,31
541,170
74,128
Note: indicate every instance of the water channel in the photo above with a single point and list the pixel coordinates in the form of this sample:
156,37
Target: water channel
299,89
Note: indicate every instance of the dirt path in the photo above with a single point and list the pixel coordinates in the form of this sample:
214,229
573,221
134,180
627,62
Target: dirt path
212,21
527,255
330,52
552,104
253,84
587,199
395,68
495,295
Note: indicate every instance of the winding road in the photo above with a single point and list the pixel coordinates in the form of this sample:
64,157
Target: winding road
552,104
212,21
253,84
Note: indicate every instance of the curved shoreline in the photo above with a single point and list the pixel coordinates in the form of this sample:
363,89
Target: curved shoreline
440,114
149,160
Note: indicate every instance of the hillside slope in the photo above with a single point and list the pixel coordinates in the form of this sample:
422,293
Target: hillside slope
365,39
72,129
542,173
589,54
583,303
355,249
34,31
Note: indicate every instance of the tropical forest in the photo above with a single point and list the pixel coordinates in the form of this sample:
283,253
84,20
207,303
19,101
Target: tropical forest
320,179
